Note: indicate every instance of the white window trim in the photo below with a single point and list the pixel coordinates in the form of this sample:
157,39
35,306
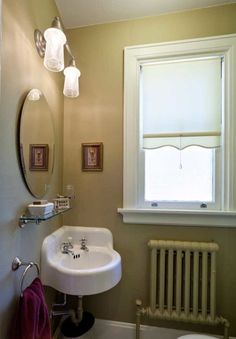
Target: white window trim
134,56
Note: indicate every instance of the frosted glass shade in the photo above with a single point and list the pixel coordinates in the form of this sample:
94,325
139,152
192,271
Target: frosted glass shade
34,94
181,103
71,83
54,53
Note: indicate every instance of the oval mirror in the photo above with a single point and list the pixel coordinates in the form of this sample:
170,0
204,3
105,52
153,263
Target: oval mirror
36,143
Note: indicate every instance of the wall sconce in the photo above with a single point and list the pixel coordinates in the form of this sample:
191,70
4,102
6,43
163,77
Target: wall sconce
50,46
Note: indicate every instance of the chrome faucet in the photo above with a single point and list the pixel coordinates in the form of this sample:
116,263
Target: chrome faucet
83,243
66,247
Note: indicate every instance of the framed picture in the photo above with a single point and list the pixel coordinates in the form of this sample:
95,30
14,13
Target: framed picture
38,157
92,156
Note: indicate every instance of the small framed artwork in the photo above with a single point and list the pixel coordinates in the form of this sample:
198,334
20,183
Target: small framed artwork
38,160
92,156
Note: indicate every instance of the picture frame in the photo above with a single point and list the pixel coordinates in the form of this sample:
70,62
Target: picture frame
38,157
92,156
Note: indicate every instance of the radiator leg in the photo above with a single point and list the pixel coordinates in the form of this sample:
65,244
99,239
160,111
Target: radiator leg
138,317
226,324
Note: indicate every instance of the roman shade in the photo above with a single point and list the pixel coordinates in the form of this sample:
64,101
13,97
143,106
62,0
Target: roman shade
181,102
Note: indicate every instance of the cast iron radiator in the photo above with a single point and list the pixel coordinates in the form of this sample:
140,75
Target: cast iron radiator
182,283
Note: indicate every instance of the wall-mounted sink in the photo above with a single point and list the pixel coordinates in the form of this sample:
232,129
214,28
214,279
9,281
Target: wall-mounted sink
92,270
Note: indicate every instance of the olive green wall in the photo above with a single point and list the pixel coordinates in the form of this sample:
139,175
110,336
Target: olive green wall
97,116
21,70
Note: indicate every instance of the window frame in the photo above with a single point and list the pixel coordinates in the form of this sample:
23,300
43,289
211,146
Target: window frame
134,57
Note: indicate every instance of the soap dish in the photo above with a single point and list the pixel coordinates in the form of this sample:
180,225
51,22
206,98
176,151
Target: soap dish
37,210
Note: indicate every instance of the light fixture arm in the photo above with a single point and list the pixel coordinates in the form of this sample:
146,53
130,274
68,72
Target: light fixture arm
56,23
72,62
69,51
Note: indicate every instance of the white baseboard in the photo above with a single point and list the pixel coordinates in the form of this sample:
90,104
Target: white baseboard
107,329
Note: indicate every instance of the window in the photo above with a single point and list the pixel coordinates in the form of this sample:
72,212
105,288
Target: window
180,123
179,129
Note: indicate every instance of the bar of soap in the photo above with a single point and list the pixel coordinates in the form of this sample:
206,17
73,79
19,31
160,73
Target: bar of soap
41,209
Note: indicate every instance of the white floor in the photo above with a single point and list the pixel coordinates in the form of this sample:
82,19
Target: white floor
105,329
116,330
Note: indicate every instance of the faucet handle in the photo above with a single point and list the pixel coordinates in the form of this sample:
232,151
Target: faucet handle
64,246
83,242
70,242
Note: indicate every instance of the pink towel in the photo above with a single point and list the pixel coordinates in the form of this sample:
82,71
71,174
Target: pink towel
32,320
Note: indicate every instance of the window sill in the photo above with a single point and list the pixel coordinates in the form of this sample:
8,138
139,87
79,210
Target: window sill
179,217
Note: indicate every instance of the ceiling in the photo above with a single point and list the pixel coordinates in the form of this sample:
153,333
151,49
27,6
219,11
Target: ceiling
79,13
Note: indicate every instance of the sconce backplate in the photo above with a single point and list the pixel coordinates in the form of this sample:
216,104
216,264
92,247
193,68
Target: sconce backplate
40,42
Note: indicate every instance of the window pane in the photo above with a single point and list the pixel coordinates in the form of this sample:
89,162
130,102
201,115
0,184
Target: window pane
173,175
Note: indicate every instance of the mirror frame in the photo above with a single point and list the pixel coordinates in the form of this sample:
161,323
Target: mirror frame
36,143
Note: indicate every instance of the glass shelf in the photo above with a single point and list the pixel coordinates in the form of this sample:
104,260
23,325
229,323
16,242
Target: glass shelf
27,218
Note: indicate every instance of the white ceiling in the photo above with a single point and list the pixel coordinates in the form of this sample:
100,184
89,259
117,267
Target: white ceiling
78,13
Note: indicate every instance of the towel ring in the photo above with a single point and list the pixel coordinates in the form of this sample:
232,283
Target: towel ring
17,263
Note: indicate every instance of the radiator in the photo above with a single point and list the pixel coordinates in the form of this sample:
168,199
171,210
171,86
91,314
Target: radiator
182,283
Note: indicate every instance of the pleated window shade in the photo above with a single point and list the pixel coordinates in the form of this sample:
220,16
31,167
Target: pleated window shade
181,103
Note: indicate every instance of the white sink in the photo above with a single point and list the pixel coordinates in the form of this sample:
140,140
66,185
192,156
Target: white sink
83,272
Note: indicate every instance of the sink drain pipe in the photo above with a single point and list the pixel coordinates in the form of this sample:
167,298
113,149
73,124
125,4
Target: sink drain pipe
79,313
76,316
78,321
57,313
